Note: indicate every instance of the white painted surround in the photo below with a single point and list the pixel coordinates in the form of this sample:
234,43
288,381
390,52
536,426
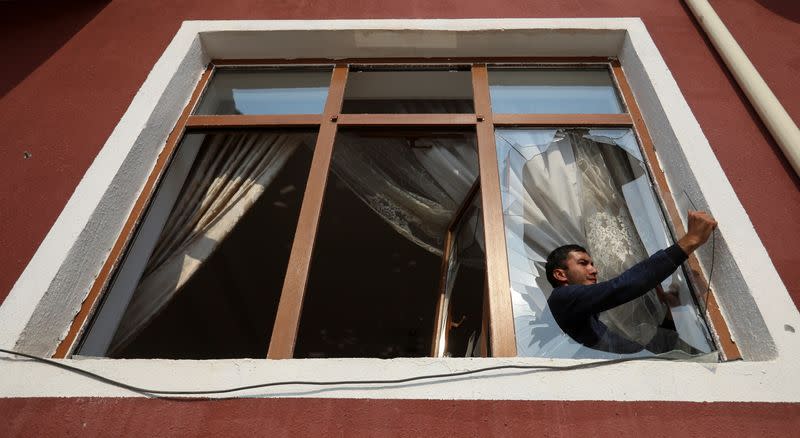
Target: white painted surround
757,306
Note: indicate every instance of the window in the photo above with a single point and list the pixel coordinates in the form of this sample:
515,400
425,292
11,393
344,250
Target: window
377,210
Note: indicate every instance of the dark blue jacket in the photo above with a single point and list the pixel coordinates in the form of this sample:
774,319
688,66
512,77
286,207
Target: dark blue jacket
576,307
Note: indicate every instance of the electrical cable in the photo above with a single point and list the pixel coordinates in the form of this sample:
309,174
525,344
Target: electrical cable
169,394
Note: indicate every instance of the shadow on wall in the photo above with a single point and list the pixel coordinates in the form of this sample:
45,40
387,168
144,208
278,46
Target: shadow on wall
32,31
789,9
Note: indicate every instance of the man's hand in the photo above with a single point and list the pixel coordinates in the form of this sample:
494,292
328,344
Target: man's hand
671,296
701,225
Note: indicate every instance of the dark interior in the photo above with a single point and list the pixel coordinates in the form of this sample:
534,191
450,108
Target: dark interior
371,292
228,307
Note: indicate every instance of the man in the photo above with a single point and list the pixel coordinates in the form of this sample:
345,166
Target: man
578,298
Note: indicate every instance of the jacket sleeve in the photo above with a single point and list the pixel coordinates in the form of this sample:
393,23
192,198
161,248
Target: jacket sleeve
575,301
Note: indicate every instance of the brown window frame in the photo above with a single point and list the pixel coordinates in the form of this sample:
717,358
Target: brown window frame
498,319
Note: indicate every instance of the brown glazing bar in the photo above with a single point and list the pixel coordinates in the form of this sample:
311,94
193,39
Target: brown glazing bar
252,121
405,61
616,120
287,320
101,282
501,322
729,349
406,119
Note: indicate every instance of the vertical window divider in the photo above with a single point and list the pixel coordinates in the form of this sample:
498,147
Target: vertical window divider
287,319
718,325
502,341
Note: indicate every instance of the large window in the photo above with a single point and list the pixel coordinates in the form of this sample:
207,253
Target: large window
377,210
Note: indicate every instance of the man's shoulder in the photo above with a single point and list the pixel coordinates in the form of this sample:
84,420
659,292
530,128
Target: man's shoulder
565,291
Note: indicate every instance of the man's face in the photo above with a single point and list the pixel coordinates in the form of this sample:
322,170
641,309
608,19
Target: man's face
580,269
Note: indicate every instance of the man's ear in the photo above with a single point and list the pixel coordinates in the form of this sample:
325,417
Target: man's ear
560,275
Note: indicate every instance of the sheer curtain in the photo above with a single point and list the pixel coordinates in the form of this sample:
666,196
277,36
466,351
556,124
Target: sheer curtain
414,183
229,175
574,186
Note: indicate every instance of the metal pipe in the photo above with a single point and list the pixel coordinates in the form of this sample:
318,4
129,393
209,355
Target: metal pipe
772,113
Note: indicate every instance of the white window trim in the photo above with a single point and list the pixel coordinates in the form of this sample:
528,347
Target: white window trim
756,304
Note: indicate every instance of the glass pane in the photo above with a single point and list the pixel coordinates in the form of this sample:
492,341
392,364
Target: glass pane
374,277
262,92
208,282
588,187
466,277
534,91
408,91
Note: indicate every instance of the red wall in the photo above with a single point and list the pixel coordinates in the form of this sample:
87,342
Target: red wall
376,418
62,104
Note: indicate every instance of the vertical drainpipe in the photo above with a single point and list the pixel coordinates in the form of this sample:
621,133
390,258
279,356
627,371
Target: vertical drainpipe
772,113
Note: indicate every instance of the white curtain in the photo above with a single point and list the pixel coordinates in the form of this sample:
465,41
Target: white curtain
229,175
561,187
415,184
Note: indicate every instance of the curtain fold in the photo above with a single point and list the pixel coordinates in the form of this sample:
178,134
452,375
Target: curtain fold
228,177
416,188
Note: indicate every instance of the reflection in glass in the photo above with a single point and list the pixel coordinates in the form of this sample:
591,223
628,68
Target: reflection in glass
551,91
263,92
372,286
589,187
216,243
408,91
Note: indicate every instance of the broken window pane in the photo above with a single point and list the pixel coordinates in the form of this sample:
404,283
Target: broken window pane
587,187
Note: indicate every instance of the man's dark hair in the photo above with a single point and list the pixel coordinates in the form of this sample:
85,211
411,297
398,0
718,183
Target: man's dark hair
558,260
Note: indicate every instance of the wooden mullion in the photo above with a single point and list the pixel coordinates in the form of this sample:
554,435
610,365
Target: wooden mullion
252,121
501,323
729,349
100,284
287,319
557,120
